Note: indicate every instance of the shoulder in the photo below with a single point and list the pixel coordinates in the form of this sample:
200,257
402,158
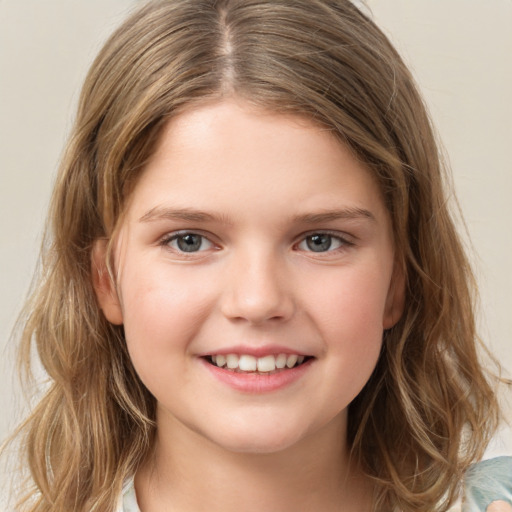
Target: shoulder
487,481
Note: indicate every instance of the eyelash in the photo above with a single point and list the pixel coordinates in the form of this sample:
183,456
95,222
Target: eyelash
342,242
176,236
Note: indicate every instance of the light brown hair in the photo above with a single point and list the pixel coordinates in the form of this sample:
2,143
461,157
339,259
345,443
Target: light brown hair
427,411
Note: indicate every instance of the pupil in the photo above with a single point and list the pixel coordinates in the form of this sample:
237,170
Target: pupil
189,243
319,243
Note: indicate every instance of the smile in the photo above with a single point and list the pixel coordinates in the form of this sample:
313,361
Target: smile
259,372
249,363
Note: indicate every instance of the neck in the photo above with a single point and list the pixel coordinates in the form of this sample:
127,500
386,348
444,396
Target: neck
188,472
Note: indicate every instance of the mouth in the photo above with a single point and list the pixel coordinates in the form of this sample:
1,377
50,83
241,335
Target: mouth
265,365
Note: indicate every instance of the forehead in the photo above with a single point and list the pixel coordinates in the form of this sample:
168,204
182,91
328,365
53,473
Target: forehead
231,155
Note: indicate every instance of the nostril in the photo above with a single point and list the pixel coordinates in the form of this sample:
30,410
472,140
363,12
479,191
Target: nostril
256,298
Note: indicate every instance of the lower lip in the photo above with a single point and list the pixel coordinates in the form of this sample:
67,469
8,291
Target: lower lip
258,382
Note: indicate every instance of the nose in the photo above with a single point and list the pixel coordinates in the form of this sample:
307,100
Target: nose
258,289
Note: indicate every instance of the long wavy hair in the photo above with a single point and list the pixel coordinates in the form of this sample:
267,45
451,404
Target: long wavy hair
427,411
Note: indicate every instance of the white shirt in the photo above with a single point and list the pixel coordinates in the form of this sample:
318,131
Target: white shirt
128,500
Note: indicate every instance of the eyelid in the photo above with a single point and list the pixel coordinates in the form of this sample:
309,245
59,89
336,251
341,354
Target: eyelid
345,239
166,239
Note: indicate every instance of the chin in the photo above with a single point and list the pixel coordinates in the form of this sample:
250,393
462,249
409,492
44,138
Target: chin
257,438
260,446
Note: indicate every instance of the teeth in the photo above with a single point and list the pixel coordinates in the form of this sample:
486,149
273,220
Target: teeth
248,363
291,360
281,361
266,364
232,361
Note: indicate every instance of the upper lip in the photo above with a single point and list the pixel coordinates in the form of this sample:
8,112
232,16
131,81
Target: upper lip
259,351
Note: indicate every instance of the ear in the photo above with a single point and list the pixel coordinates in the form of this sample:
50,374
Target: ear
104,285
395,300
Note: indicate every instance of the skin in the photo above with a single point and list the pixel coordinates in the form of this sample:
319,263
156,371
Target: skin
266,182
499,506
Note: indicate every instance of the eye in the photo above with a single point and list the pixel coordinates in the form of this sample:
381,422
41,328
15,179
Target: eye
322,242
187,242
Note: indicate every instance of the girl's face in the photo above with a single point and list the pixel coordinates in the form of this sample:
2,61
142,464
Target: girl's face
253,240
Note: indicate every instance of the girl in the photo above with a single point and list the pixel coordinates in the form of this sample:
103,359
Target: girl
253,294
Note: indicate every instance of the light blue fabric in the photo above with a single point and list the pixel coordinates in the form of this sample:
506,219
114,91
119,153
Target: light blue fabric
488,481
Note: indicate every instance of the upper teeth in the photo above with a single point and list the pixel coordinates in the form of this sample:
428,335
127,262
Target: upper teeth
248,363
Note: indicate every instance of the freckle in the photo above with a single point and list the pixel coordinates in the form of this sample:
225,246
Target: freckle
499,506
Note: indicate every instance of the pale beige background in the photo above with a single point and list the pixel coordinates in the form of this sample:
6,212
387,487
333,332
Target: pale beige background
459,50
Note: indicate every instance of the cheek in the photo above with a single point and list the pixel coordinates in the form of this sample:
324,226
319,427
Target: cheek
162,311
348,312
352,302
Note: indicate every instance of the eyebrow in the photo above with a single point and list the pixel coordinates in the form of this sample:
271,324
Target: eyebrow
187,214
331,215
193,215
